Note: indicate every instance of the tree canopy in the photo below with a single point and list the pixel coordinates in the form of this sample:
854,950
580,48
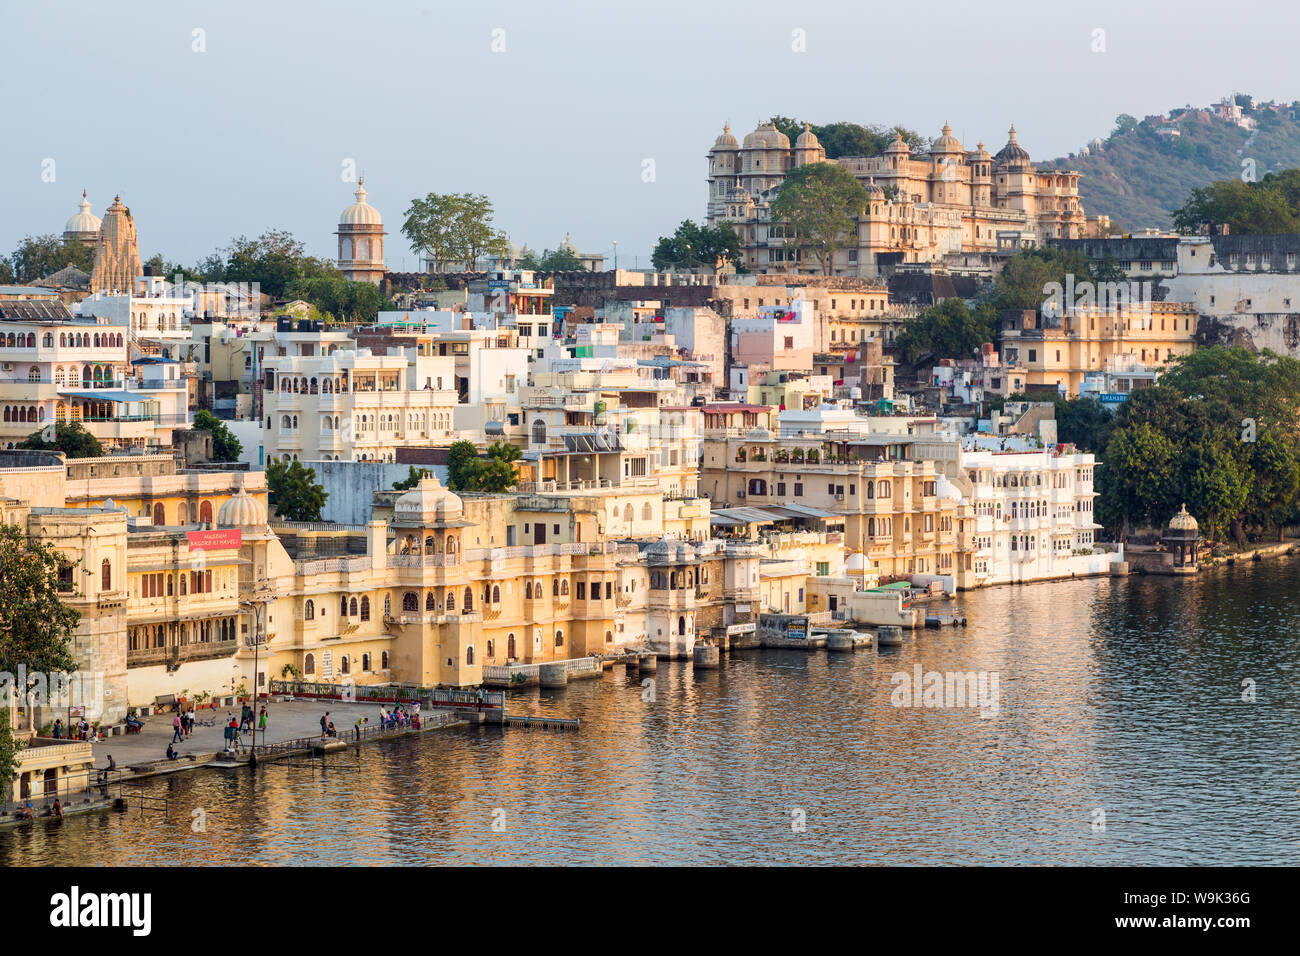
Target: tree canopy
948,330
294,492
851,139
817,206
412,479
453,228
1259,208
1218,432
693,247
39,256
71,438
225,446
495,473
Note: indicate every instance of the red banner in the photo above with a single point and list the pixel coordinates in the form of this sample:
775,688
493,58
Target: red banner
211,540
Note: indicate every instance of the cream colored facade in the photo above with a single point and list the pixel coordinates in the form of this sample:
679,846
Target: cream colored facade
1063,350
921,208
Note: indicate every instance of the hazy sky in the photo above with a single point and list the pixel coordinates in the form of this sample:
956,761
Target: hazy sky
253,132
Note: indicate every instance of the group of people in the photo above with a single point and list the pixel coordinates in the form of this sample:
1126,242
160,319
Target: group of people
399,717
327,726
75,731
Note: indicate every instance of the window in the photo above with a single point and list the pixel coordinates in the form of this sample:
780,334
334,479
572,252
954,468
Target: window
410,601
105,575
559,638
365,608
309,610
309,665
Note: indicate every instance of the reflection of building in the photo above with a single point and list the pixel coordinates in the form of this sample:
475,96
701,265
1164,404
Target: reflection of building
361,240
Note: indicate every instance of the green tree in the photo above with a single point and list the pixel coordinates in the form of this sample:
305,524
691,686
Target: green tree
462,457
274,260
294,492
71,438
559,260
948,330
453,227
413,478
692,246
39,256
10,748
818,205
1246,208
1137,481
225,446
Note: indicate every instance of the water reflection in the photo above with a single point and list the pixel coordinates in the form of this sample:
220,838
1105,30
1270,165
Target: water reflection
1123,697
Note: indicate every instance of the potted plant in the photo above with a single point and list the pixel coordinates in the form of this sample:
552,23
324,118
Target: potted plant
241,692
201,699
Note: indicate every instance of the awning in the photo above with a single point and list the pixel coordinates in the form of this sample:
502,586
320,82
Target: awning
109,395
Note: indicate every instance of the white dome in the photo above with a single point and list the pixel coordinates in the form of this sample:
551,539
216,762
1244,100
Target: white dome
568,246
241,511
83,221
360,213
427,503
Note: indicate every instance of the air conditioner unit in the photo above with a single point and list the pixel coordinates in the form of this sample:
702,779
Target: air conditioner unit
8,366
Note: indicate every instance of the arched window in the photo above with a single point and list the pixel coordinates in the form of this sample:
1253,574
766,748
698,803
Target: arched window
346,666
430,602
609,637
158,517
559,638
205,512
469,654
343,606
309,664
496,594
681,625
539,431
528,591
627,514
365,608
383,660
647,512
105,575
469,600
352,608
309,610
555,587
365,662
388,605
564,586
410,601
451,600
510,646
182,513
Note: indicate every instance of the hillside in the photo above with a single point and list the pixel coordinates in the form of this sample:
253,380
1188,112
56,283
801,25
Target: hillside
1138,176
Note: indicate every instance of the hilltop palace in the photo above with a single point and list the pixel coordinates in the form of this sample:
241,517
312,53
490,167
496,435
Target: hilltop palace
947,204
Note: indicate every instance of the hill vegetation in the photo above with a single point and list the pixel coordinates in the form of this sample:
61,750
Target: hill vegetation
1140,176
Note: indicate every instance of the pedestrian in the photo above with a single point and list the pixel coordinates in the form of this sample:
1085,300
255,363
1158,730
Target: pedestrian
176,728
58,730
171,752
57,810
324,721
261,723
85,729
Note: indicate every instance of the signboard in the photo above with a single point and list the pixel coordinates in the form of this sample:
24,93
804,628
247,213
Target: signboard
1113,398
796,633
212,540
734,629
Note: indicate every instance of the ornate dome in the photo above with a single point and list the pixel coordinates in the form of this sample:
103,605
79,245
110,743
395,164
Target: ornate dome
661,552
946,143
241,511
726,140
874,191
428,503
899,145
84,221
758,433
980,151
1012,154
807,139
360,213
568,246
1183,521
767,136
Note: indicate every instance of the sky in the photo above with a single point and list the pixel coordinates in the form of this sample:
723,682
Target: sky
219,119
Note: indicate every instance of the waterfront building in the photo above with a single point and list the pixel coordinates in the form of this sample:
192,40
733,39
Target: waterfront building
1025,512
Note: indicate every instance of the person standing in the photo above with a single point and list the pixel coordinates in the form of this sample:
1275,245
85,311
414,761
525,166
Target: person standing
261,723
176,728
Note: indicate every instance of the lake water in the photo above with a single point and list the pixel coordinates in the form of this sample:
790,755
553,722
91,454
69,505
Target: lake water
1120,704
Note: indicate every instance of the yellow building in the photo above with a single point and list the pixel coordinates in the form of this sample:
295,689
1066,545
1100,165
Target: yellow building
1062,350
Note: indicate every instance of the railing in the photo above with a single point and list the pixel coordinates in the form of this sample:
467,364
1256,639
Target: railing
67,786
573,667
